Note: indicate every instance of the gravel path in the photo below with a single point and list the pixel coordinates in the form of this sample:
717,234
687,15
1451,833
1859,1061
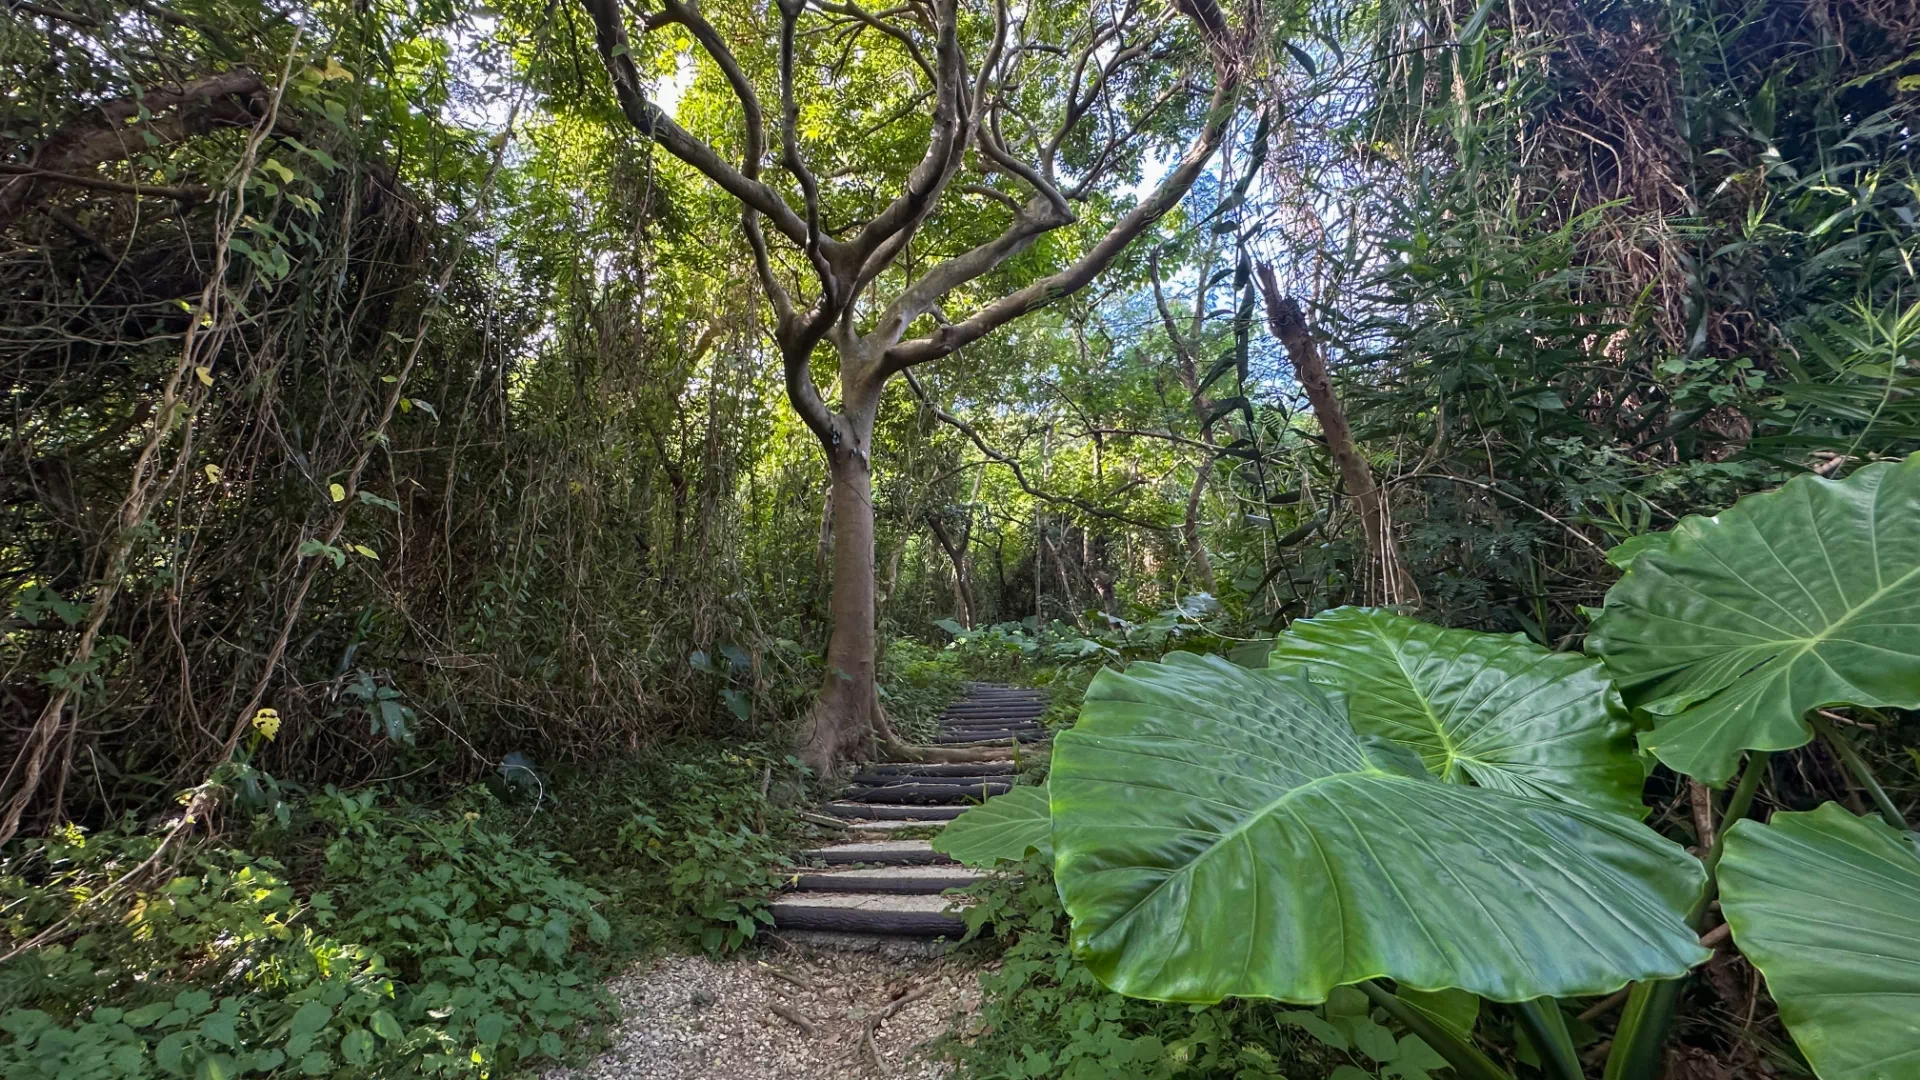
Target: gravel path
691,1018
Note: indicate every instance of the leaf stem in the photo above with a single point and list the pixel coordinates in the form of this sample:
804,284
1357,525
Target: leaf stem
1636,1053
1546,1028
1467,1061
1737,807
1862,772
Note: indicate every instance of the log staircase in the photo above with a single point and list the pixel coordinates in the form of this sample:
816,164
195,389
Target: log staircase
877,883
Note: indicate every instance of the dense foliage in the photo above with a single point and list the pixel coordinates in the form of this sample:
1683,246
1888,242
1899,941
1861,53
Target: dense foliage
415,576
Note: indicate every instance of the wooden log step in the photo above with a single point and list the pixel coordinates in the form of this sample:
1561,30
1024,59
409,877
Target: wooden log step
989,735
992,713
922,794
879,853
940,768
897,880
884,828
870,913
875,778
895,812
993,725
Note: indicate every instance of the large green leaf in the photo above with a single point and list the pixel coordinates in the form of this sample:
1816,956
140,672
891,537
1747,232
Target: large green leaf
1220,831
1827,906
1737,625
1494,709
1004,828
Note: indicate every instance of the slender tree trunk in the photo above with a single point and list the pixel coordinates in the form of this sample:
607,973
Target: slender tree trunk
1196,545
847,722
956,551
1289,324
844,719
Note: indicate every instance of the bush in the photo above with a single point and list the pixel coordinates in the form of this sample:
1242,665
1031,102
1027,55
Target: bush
436,947
1043,1014
699,837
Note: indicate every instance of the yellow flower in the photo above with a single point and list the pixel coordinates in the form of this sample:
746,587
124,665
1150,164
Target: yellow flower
267,723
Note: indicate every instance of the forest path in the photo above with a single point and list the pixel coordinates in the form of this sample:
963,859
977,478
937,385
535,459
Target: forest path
854,982
880,884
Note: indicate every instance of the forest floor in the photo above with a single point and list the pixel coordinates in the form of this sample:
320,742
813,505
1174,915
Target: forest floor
786,1012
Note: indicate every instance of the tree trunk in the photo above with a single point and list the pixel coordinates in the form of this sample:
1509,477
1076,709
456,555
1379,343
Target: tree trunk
956,551
1196,545
844,719
1289,324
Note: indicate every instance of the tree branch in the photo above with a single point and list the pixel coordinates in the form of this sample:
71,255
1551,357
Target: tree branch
945,151
860,14
1172,188
184,194
610,36
1019,475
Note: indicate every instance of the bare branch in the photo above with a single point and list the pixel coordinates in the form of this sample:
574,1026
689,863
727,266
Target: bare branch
860,14
993,193
946,150
790,150
610,35
184,194
1189,366
723,58
1019,475
1104,159
1172,188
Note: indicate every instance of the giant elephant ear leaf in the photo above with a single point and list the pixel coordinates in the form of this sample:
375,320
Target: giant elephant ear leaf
1005,828
1492,709
1739,623
1827,906
1220,831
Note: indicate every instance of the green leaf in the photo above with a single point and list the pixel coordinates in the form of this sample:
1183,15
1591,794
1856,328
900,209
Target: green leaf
1798,598
1322,1031
1827,906
356,1046
1621,555
1004,828
320,547
489,1028
1455,1010
1493,709
1220,831
384,1025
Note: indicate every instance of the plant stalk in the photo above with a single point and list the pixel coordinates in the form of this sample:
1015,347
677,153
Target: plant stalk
1737,808
1466,1060
1546,1028
1638,1042
1862,772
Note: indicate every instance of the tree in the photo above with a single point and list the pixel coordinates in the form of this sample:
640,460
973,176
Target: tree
1047,108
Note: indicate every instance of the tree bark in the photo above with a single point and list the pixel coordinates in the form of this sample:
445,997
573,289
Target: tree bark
847,717
1196,544
1387,573
956,550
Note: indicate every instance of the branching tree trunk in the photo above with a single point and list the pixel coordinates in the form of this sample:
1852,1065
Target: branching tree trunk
1392,583
1085,61
956,549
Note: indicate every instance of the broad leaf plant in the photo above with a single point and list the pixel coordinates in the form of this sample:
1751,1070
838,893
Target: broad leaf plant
1417,811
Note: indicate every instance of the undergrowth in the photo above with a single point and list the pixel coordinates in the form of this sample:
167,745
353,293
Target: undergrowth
355,934
1043,1014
